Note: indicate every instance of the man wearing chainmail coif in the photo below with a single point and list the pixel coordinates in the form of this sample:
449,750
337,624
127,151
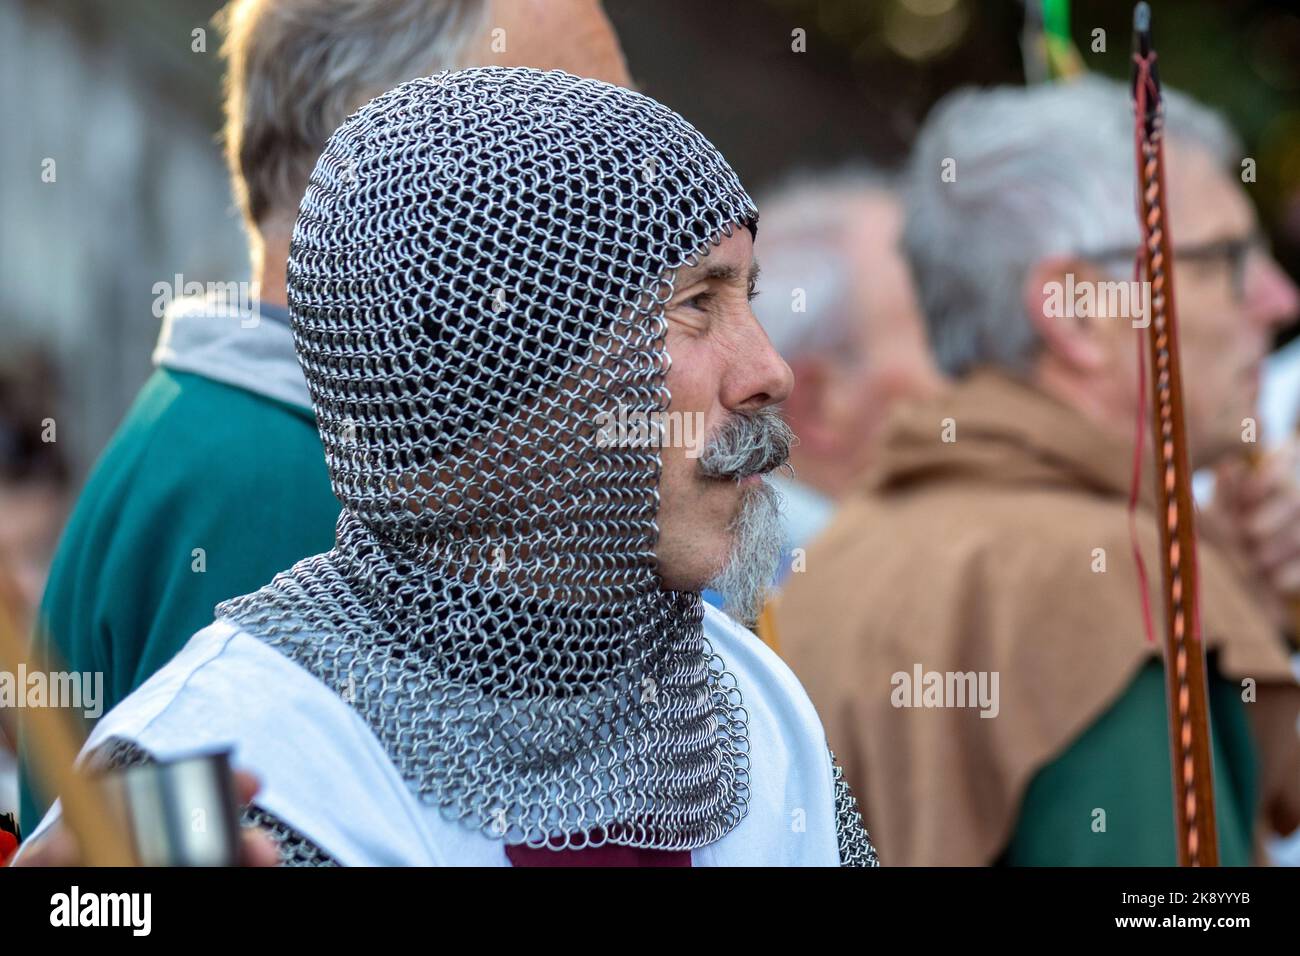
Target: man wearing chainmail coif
502,660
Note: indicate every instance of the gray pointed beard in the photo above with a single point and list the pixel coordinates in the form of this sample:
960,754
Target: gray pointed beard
757,538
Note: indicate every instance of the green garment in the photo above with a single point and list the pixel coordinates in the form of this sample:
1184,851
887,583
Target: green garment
1121,765
195,465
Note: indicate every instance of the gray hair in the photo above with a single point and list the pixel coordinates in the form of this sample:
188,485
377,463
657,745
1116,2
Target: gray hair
801,247
1040,171
296,69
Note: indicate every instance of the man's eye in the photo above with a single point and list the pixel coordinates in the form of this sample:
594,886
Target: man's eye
701,301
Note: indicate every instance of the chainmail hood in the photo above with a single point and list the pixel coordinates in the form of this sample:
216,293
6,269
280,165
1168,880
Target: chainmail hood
477,277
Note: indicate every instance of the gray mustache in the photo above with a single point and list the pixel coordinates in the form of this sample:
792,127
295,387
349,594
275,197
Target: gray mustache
748,443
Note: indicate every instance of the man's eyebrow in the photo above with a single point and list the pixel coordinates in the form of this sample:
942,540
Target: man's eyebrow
726,272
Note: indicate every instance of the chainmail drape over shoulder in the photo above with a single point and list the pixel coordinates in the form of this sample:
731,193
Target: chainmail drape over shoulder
477,280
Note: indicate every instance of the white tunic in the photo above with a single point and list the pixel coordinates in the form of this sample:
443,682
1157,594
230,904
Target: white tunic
325,774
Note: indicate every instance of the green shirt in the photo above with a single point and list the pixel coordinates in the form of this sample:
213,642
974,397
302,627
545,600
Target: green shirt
205,492
1121,765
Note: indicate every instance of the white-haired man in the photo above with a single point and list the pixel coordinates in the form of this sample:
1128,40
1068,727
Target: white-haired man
971,624
838,303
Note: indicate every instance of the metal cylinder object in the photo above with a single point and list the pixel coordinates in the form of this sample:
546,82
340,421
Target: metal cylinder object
181,812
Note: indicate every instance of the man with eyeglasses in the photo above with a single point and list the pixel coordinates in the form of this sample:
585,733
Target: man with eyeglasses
970,625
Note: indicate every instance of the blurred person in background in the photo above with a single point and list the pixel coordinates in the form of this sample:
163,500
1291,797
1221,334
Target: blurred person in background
993,537
161,532
33,501
33,476
837,302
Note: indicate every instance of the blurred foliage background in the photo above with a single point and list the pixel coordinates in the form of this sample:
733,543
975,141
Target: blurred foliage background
873,68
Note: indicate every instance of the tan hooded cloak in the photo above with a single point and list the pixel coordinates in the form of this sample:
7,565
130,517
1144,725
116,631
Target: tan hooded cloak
982,554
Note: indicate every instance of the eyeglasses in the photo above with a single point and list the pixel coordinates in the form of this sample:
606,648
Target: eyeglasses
1235,251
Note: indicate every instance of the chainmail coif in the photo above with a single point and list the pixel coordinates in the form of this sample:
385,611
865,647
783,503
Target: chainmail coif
478,274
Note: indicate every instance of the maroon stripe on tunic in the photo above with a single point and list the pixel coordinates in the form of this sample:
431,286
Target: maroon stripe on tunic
607,855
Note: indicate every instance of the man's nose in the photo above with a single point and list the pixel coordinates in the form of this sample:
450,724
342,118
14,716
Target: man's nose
760,377
1272,299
